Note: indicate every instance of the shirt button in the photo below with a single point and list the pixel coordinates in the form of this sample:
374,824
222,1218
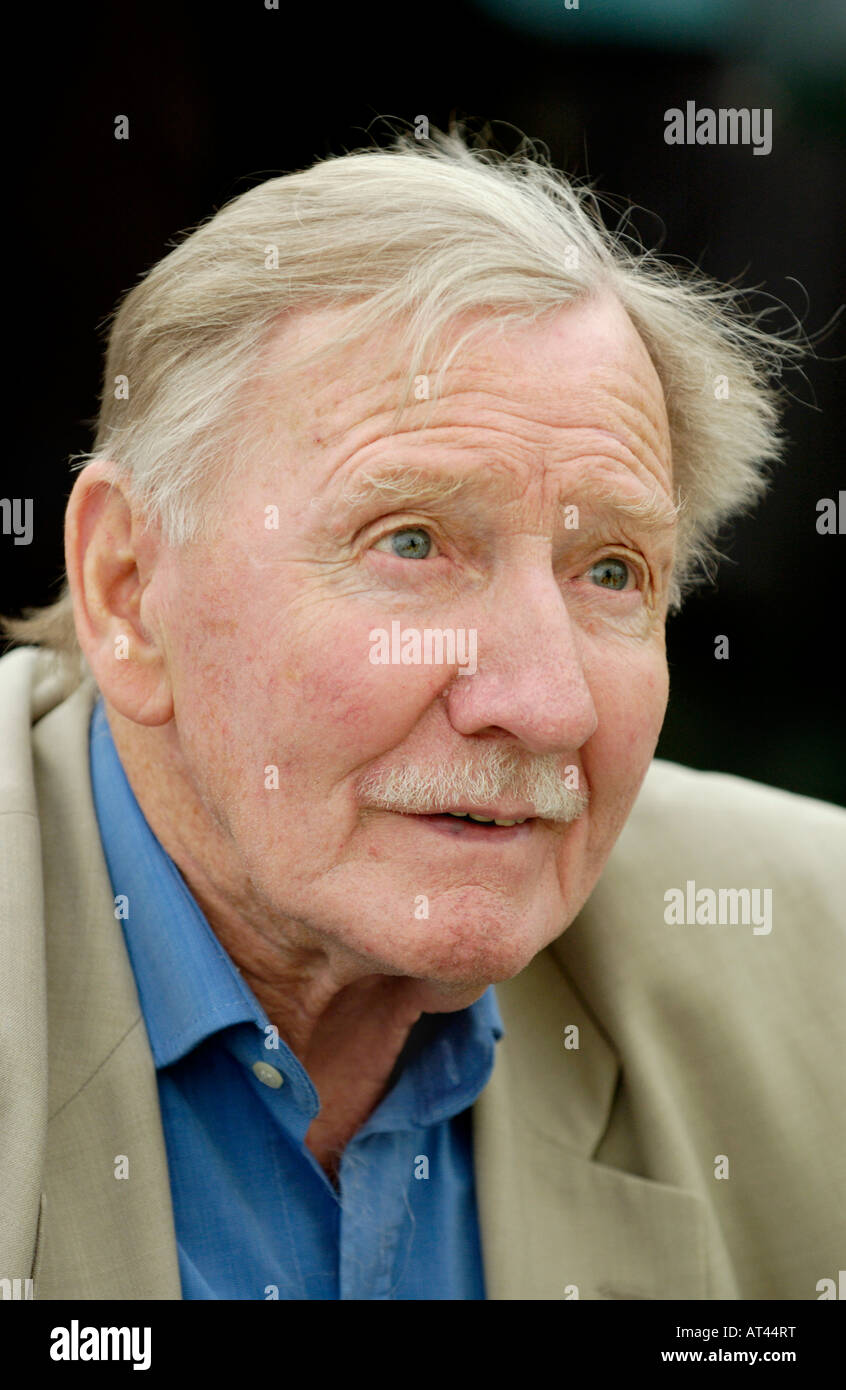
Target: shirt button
268,1075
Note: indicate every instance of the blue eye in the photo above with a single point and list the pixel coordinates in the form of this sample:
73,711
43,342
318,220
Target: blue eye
410,543
610,573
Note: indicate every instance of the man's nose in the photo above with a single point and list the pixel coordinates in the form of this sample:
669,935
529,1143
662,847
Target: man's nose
530,681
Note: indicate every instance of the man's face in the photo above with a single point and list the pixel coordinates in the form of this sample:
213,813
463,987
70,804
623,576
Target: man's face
268,640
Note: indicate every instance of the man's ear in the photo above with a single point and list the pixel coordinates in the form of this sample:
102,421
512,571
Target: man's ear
109,556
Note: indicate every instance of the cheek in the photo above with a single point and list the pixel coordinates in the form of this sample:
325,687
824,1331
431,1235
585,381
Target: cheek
333,702
351,712
631,698
220,671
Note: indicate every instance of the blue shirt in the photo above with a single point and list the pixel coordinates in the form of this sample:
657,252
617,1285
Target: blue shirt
255,1215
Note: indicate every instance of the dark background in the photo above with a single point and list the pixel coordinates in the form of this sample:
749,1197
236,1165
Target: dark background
220,98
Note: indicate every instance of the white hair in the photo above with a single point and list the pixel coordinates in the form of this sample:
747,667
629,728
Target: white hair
414,235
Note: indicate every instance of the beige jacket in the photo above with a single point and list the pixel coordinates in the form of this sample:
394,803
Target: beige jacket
596,1165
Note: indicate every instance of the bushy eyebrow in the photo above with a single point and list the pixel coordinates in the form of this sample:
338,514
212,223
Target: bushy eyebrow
414,486
651,512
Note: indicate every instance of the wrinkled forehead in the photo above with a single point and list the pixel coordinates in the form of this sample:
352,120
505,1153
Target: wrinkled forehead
583,367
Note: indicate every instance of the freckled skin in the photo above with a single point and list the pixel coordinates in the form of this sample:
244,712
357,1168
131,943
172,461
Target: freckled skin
254,651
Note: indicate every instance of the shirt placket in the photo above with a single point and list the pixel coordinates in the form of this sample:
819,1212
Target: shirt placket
376,1224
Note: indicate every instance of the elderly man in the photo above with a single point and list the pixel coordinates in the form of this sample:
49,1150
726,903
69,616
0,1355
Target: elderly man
320,977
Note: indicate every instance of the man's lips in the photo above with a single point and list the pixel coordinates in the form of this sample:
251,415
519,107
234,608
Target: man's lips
471,831
500,814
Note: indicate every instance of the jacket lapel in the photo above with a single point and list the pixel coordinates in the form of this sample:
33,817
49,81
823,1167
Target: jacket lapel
556,1223
100,1235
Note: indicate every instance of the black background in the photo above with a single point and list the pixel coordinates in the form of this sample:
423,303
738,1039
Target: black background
221,98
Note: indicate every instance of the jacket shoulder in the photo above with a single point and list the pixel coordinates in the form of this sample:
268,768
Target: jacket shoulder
703,853
680,810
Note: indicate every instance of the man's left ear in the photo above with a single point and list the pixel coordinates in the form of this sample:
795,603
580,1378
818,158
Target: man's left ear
109,556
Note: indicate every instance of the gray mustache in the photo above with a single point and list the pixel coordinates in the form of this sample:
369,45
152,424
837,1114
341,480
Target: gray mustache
495,773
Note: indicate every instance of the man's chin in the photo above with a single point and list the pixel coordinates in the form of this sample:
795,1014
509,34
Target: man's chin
474,949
